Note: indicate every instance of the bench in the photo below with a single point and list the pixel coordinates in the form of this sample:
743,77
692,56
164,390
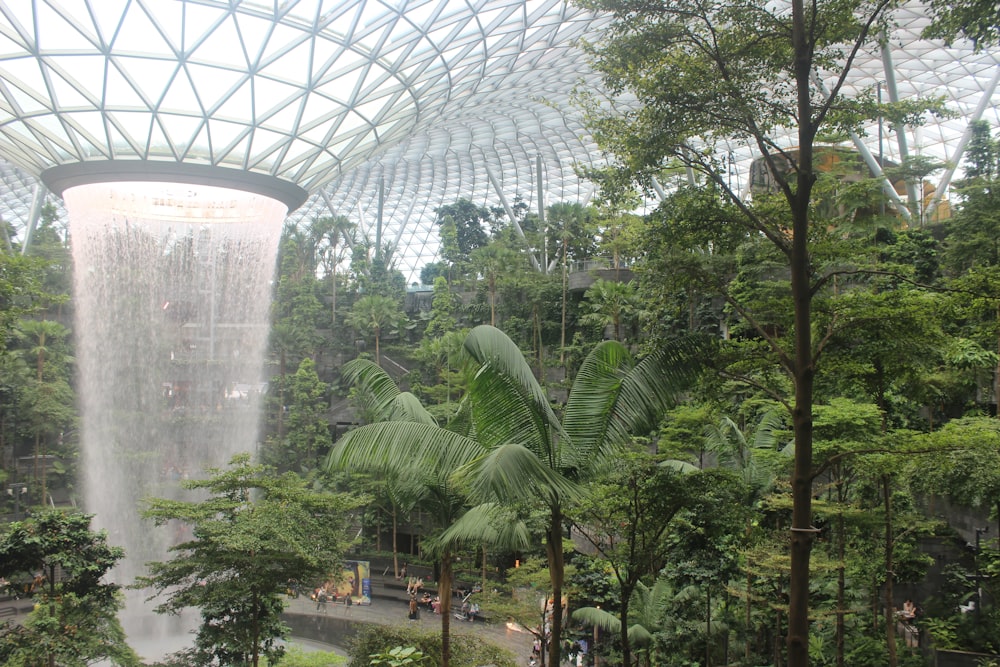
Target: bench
8,611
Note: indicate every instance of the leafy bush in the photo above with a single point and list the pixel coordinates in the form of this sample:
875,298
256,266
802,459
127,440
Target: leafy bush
465,649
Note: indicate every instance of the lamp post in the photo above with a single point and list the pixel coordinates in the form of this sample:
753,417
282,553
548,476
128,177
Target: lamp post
979,588
17,490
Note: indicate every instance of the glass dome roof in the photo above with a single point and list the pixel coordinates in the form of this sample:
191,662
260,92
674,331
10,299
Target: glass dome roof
427,100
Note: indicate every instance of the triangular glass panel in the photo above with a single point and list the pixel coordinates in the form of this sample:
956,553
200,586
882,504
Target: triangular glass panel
61,30
139,35
149,76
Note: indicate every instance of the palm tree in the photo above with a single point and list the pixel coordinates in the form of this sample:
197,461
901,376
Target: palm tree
610,303
647,605
419,455
739,451
520,450
333,230
375,313
493,261
530,452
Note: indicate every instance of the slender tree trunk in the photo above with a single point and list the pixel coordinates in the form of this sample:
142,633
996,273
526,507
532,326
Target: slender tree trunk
803,371
395,537
626,591
708,626
256,628
747,616
282,369
493,300
556,574
444,592
996,372
333,291
484,568
841,576
890,620
565,290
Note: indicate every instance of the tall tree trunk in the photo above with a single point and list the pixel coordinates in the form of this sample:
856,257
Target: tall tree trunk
282,370
333,289
395,537
890,620
803,370
565,291
493,300
623,616
996,372
841,576
708,626
556,574
483,584
444,592
256,628
747,616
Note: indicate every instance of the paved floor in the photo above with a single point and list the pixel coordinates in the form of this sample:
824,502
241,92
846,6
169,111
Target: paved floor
390,604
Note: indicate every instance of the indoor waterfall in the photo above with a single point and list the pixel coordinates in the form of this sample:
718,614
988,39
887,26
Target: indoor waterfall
172,290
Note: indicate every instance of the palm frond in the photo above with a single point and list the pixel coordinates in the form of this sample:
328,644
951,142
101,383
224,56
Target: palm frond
639,636
635,404
377,390
407,407
591,402
510,405
598,618
511,473
401,447
679,466
488,523
766,433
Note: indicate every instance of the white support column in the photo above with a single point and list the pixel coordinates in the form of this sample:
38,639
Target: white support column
898,128
510,214
34,213
872,163
541,214
956,157
659,188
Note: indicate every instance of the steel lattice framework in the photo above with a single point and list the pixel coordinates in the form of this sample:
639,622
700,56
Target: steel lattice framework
393,105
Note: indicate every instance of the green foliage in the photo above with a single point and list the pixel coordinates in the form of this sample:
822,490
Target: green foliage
255,531
375,639
376,315
468,221
21,290
398,656
74,622
976,20
308,434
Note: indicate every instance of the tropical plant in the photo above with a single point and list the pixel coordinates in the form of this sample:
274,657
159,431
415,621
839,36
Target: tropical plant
384,448
375,313
253,533
692,75
610,303
647,605
399,656
61,563
521,452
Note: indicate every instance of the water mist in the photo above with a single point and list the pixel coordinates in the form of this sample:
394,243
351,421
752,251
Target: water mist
172,296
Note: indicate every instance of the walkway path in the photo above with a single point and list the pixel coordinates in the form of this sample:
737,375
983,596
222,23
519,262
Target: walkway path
390,604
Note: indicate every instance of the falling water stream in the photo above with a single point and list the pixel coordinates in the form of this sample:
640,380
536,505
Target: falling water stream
172,295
